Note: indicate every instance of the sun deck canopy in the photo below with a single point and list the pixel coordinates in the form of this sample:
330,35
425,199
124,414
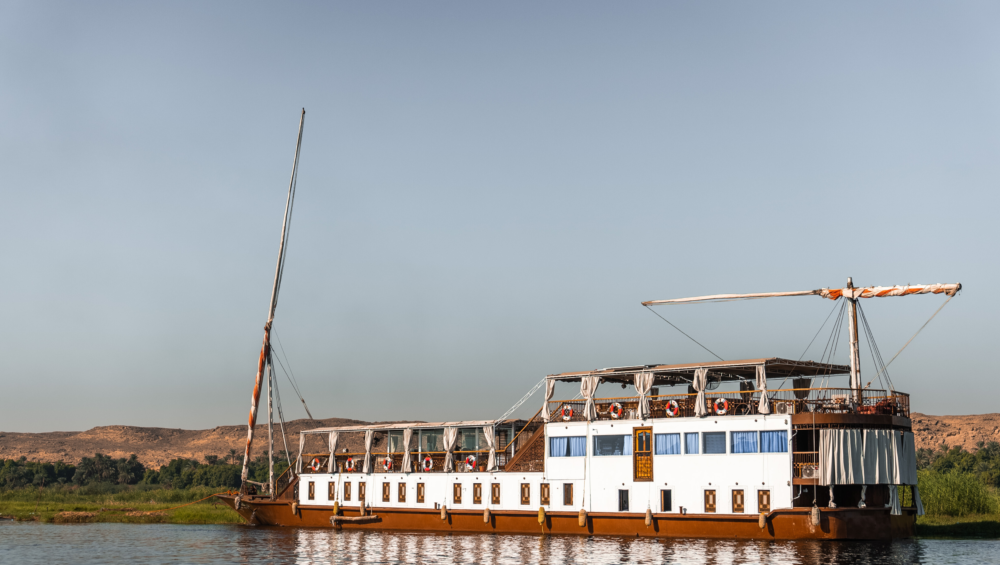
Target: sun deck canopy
746,369
407,425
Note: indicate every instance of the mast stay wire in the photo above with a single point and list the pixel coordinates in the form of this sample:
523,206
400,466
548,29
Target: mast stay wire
685,335
916,334
281,422
290,375
831,343
876,354
819,330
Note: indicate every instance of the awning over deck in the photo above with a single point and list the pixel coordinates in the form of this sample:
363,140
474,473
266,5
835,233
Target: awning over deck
746,369
404,425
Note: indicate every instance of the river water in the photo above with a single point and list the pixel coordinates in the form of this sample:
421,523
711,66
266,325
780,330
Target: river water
28,543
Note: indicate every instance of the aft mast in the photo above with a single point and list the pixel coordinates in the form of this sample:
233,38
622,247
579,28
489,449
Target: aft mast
264,362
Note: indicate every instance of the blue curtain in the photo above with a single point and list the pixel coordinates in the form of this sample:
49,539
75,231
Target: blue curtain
774,442
557,446
744,442
578,446
628,445
691,443
667,444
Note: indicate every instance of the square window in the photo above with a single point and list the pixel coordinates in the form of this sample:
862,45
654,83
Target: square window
347,491
774,442
743,442
401,493
420,493
567,494
568,446
613,445
544,494
691,443
666,504
456,493
713,442
495,493
709,501
667,444
738,501
623,500
477,493
525,493
312,490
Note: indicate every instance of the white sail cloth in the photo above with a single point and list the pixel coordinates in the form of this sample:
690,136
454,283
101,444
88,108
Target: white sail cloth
550,389
369,438
491,442
764,407
407,438
333,440
450,438
588,386
700,383
643,384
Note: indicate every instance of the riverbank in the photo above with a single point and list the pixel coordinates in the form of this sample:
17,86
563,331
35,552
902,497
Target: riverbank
972,526
138,506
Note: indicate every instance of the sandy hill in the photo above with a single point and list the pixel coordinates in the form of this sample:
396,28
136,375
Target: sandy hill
157,446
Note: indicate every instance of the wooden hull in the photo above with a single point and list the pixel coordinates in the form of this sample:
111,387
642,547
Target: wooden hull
786,524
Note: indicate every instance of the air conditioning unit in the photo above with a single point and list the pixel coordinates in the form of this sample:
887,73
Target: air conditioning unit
810,471
784,407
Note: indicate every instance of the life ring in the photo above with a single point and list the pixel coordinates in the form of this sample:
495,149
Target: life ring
615,410
349,465
387,464
428,463
721,406
470,462
567,412
672,408
315,464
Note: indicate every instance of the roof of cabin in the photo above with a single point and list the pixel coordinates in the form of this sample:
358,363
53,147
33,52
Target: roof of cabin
410,425
775,368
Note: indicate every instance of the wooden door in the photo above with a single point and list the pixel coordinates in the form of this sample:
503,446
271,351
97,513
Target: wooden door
642,454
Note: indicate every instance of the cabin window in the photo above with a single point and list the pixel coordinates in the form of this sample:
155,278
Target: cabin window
738,501
477,493
667,444
401,493
361,492
713,442
386,490
544,494
744,442
420,493
567,494
666,502
763,501
396,441
525,493
495,493
691,443
347,491
312,490
613,445
709,501
568,446
331,491
431,440
623,500
456,493
774,442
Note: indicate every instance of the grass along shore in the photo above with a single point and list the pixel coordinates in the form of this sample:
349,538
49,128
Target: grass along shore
133,505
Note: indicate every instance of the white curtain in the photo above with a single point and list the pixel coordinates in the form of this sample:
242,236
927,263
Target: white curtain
917,502
588,386
908,461
298,460
870,458
407,438
700,382
840,457
334,438
764,407
643,384
894,501
450,437
884,459
550,389
369,438
491,442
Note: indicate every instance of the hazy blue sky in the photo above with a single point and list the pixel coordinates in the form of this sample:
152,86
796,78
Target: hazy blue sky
486,194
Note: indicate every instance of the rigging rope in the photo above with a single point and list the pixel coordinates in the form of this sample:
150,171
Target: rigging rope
819,330
522,401
915,335
281,423
685,335
289,374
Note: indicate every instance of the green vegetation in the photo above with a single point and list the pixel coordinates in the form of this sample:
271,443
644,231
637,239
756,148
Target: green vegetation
959,490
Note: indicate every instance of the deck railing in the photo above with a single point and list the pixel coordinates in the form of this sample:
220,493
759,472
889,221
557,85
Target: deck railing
466,461
741,402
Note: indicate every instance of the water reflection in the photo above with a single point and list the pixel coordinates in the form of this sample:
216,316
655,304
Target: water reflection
117,543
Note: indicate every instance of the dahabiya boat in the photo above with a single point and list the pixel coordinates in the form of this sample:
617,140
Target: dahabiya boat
798,462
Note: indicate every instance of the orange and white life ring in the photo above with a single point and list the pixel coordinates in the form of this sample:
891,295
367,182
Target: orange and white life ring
387,464
615,410
470,462
349,465
315,464
567,412
672,408
721,406
428,463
